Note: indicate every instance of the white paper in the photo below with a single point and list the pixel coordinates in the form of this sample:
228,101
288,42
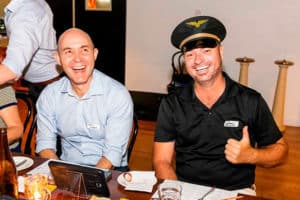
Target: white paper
193,191
139,187
41,169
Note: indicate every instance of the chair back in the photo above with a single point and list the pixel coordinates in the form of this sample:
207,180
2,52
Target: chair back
27,113
133,136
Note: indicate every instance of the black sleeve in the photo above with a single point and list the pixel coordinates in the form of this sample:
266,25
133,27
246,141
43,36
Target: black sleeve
165,130
266,130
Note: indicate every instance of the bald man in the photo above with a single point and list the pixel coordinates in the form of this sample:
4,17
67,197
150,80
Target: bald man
91,112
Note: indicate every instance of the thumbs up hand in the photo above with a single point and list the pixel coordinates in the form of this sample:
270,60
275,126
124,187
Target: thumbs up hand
240,151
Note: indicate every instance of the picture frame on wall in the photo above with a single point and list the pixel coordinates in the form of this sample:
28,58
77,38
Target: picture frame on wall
98,5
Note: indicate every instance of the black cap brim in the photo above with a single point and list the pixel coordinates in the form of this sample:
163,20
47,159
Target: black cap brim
199,43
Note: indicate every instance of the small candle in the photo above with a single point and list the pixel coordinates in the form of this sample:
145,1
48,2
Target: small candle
37,195
36,187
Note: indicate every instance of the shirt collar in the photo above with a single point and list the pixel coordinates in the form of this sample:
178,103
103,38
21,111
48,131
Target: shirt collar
96,87
188,93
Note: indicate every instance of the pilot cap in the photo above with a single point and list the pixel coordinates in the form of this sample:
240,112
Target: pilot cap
199,31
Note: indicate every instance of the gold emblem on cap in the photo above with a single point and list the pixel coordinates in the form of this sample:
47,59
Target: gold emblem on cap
198,23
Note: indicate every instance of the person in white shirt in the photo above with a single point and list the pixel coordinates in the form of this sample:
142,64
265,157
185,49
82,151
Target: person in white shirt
31,46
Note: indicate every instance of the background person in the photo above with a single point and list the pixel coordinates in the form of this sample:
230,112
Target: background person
31,46
91,112
9,117
218,129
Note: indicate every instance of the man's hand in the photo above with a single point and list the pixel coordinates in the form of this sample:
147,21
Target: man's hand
48,153
238,152
104,163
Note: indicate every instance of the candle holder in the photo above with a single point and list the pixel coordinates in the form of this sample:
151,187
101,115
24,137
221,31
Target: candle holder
244,65
279,98
35,187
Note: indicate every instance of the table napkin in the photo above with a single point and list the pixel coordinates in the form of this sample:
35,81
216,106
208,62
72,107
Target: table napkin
142,181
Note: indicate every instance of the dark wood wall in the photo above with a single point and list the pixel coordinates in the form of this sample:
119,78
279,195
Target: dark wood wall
107,29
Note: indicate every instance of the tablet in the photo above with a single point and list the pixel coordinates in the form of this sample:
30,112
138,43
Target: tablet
82,180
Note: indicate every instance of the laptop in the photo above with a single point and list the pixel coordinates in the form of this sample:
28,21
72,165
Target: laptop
82,180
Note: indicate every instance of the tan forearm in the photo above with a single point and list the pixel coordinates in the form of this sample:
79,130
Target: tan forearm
6,75
163,154
104,163
48,153
272,155
14,133
10,116
164,170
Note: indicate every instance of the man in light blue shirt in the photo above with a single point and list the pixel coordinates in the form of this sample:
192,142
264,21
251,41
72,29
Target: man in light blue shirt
91,112
32,43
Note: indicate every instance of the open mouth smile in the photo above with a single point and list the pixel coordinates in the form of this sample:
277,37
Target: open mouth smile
79,67
201,67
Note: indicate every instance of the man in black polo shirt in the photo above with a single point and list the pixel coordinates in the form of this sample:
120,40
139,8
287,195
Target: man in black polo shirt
218,129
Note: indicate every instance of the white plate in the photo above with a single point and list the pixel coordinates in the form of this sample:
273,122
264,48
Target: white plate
28,163
138,177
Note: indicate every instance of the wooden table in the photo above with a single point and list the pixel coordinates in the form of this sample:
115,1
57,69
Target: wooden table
117,191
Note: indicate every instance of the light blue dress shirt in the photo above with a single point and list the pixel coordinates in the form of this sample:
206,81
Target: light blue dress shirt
96,125
32,40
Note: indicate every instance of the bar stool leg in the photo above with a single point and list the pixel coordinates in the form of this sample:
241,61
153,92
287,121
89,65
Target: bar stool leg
279,98
244,65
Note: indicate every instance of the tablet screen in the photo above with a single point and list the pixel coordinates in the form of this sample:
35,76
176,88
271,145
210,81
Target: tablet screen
82,180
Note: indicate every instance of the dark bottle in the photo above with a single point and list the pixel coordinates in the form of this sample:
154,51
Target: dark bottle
8,172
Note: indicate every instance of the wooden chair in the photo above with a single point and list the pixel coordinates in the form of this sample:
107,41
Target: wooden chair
133,136
27,113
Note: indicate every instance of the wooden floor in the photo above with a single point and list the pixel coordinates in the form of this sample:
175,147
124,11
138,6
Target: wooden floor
278,183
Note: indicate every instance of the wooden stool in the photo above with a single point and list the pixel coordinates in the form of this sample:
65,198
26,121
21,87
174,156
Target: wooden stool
279,98
244,65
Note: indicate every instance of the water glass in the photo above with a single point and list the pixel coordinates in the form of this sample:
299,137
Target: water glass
169,190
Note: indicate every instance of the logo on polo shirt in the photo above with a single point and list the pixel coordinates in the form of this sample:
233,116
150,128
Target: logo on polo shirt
231,124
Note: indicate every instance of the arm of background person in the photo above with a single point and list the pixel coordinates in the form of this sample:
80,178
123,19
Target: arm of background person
6,75
23,44
10,116
162,160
